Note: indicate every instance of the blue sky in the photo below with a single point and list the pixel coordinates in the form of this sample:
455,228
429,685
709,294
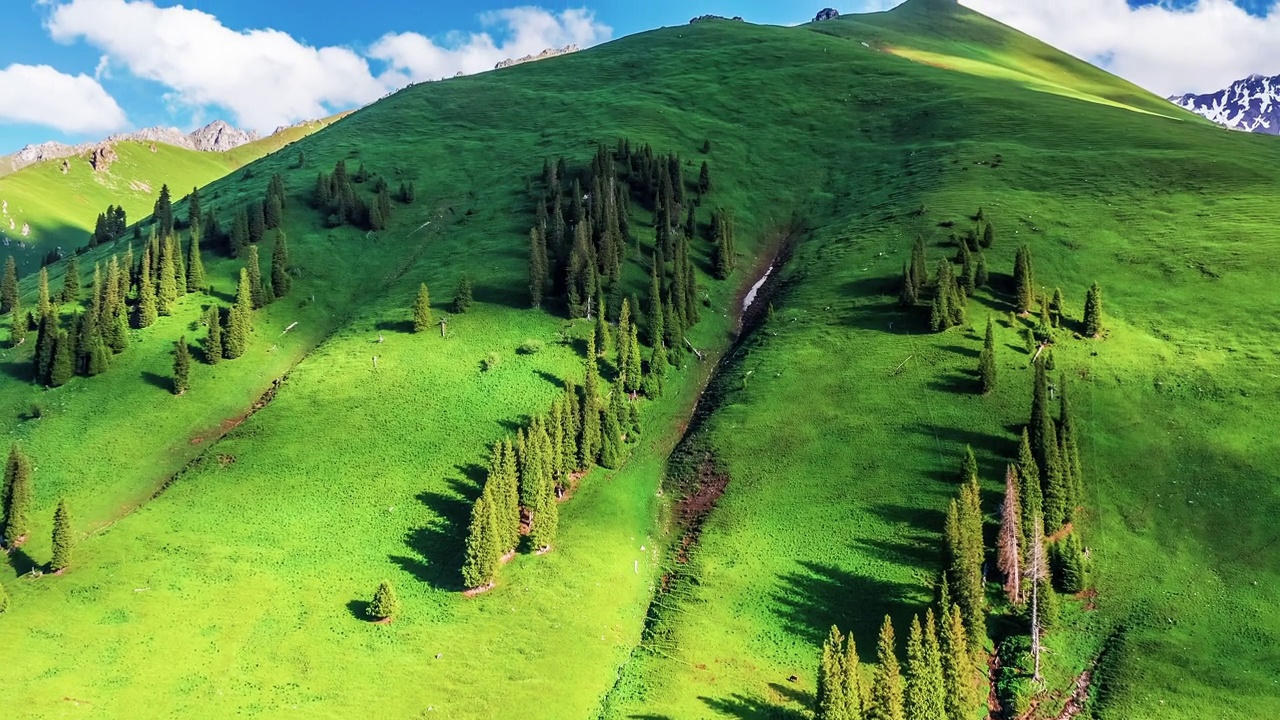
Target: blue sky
76,70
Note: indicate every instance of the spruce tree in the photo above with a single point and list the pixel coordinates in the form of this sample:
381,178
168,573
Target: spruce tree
163,211
62,540
1031,500
257,222
539,272
924,700
987,359
632,366
602,335
1057,308
1093,311
17,497
546,518
988,236
509,484
71,282
46,346
240,234
179,265
1074,565
257,293
831,700
64,360
181,366
239,320
195,265
589,448
462,298
852,681
966,554
1069,451
17,323
147,310
9,286
385,605
44,305
611,450
1009,542
887,693
959,670
167,292
422,310
117,332
982,277
4,600
1023,280
280,280
482,552
919,268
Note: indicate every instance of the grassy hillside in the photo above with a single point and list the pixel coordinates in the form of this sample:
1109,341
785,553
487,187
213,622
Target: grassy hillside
239,589
58,209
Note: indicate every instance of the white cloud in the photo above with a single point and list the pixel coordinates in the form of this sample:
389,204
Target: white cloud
264,78
528,30
1200,48
41,95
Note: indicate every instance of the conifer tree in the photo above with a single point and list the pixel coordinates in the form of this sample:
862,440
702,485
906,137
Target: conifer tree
969,466
62,540
46,345
988,236
919,268
1043,434
163,211
4,600
1023,280
1031,499
71,282
1069,448
1074,566
257,293
853,695
924,696
831,700
887,692
422,310
240,233
117,332
1056,308
623,336
239,320
167,292
17,497
385,605
1093,311
1009,542
9,286
602,335
17,323
147,307
462,298
280,280
611,450
509,487
195,265
589,448
257,222
181,366
44,305
907,295
546,518
539,271
179,264
632,366
966,554
64,360
482,551
987,359
213,341
982,277
958,668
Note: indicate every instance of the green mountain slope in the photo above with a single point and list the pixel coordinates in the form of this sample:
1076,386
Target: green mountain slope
239,587
45,208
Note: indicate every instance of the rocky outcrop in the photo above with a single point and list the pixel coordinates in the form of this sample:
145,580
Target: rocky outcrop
705,18
548,53
102,157
217,136
826,14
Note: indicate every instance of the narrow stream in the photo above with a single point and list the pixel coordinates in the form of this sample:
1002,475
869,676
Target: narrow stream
751,294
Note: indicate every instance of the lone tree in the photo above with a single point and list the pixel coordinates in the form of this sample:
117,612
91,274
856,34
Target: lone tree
15,496
462,298
1093,311
181,365
422,310
385,605
62,542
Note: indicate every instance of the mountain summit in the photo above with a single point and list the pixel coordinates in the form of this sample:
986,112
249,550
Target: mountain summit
217,136
1251,104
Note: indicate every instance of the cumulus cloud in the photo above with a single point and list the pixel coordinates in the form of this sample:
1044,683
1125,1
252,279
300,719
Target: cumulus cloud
41,95
264,78
413,57
1201,47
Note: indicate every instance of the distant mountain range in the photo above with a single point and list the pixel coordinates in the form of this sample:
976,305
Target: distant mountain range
1251,104
217,136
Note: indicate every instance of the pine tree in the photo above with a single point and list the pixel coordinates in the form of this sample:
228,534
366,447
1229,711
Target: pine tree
71,282
280,280
385,605
17,323
195,266
9,286
1009,543
987,360
959,670
831,700
167,292
509,485
539,272
632,366
1073,564
919,268
163,212
887,693
924,696
546,518
44,305
17,497
969,466
62,540
602,335
64,360
257,293
257,222
4,600
147,309
239,320
611,449
422,310
1070,449
240,233
907,294
988,236
462,298
482,552
589,448
181,366
966,554
1031,500
1093,311
1023,280
853,695
46,345
982,277
1056,308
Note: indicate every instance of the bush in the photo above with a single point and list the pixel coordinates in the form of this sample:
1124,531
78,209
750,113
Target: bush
530,347
490,362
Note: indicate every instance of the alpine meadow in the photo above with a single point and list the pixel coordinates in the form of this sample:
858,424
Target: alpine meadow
895,366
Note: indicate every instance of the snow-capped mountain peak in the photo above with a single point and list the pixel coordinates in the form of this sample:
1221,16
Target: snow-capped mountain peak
1251,104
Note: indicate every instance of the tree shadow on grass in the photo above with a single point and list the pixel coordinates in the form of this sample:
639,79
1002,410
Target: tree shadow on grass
159,381
439,547
397,326
965,351
816,596
18,370
22,563
747,708
549,377
475,473
359,609
955,383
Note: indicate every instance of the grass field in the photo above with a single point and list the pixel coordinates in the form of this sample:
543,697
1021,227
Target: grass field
59,210
239,590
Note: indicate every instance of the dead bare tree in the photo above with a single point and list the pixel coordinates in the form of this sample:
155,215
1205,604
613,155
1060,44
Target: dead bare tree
1009,555
1036,574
